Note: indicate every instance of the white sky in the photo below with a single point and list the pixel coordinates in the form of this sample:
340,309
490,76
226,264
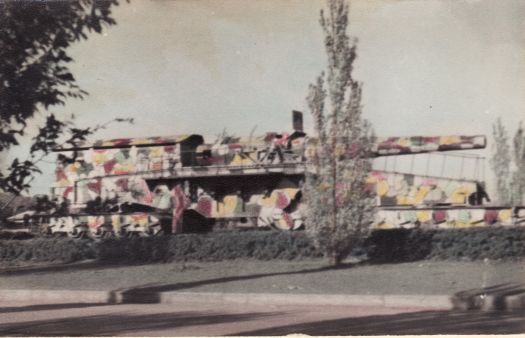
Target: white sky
428,67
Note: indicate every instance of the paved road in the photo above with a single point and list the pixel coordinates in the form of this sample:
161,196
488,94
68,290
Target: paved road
192,319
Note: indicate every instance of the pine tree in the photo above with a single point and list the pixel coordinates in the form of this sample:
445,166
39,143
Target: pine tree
340,207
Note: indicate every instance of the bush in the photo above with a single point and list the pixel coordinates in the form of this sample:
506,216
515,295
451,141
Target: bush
478,243
402,245
264,245
63,250
9,235
396,245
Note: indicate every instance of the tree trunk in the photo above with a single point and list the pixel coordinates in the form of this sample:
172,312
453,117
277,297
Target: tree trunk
334,259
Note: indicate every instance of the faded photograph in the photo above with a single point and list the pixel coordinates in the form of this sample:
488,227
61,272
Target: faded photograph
262,167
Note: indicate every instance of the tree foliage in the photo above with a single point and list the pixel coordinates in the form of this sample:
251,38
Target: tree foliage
340,205
500,161
508,164
518,177
34,75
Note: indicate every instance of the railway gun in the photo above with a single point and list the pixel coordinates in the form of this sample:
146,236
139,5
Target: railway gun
155,185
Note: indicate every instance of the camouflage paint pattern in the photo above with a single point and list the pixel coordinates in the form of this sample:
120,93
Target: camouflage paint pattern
133,222
407,189
122,167
451,217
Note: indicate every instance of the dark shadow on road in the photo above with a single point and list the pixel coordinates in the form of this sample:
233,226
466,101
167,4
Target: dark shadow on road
113,324
415,323
87,265
44,307
151,294
24,270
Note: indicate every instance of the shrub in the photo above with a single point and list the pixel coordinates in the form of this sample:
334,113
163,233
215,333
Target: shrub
396,245
401,245
8,235
47,250
264,245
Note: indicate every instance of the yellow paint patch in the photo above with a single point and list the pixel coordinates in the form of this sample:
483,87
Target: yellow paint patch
290,192
95,221
460,195
228,205
64,183
421,194
403,141
405,200
424,215
240,160
116,223
156,151
371,179
282,224
505,215
447,140
121,169
73,168
139,141
382,188
99,158
384,226
141,219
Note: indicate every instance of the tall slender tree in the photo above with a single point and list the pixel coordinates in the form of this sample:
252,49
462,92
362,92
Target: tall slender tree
508,164
501,161
340,205
518,177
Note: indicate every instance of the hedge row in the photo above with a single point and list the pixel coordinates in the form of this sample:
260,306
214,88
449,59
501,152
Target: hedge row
263,245
398,245
402,245
15,235
63,250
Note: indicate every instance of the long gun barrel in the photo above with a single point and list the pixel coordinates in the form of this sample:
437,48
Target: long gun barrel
424,144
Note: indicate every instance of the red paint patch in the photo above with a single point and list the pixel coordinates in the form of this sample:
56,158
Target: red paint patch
282,200
109,165
491,216
288,219
204,206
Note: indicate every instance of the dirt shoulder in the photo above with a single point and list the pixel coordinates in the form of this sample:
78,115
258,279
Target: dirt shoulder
308,277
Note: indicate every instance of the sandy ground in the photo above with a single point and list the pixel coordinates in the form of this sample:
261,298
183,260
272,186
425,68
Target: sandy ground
424,277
